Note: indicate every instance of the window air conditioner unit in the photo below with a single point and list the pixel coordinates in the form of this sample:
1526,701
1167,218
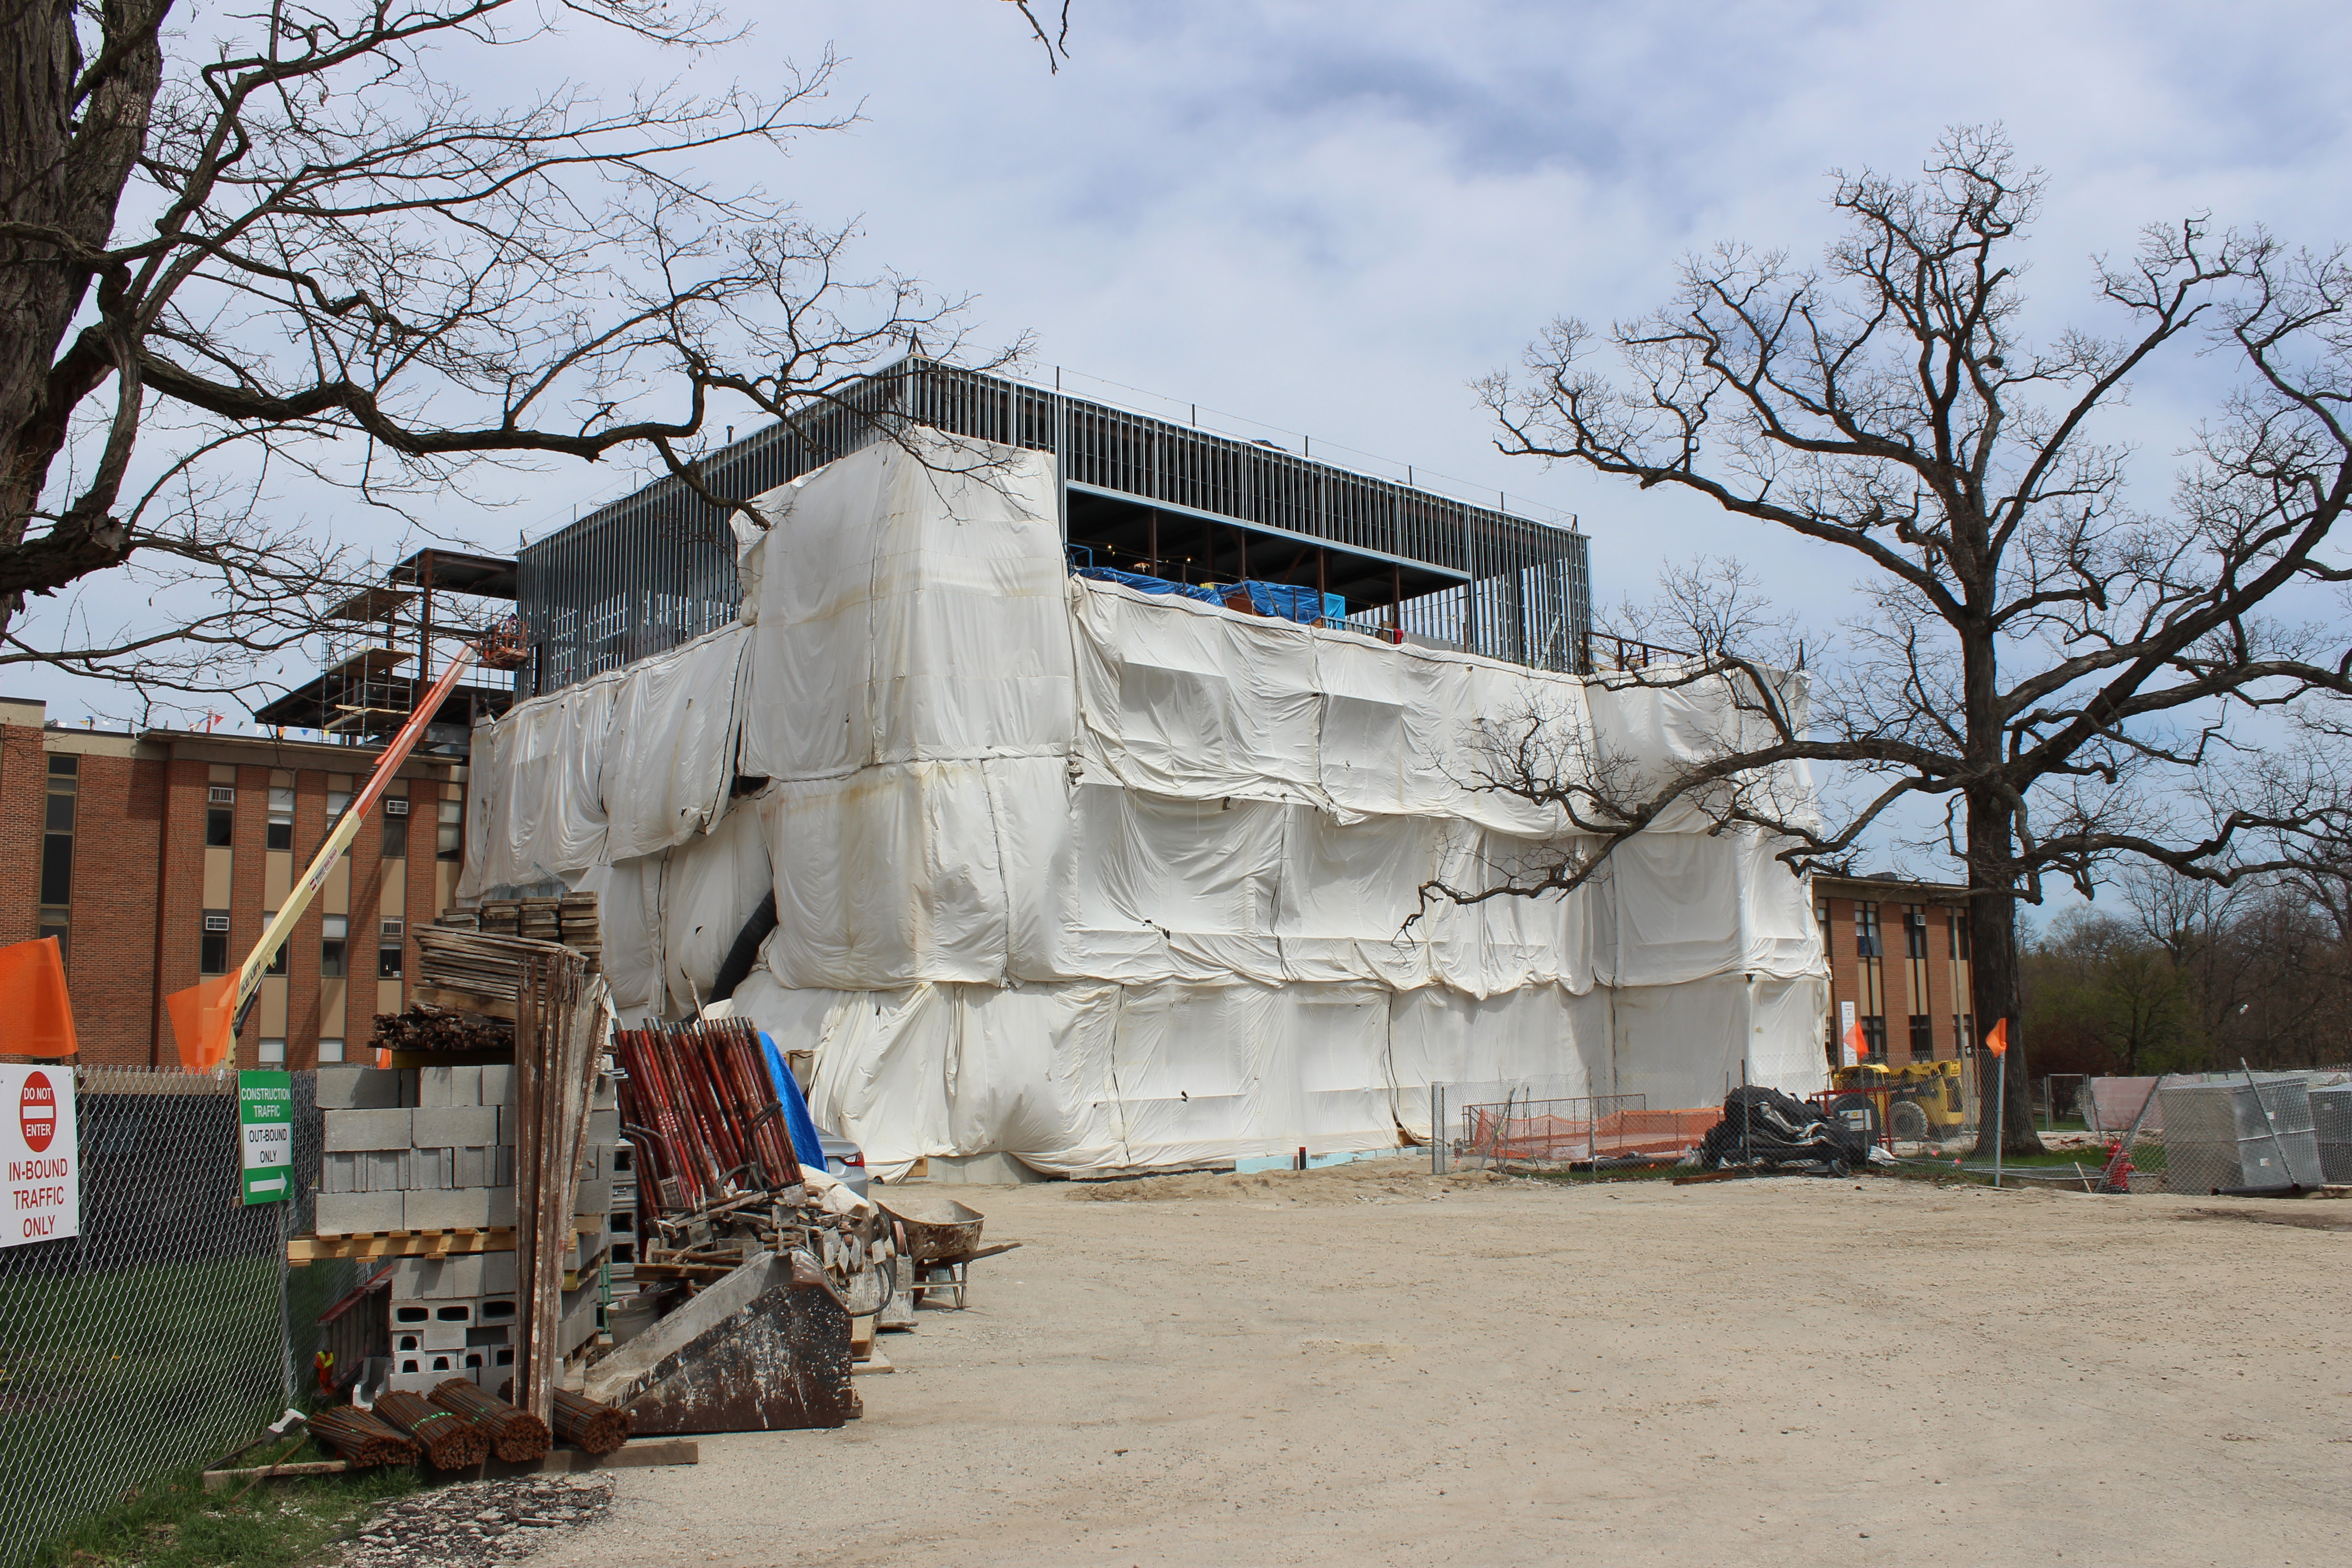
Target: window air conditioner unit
222,794
216,922
395,806
395,927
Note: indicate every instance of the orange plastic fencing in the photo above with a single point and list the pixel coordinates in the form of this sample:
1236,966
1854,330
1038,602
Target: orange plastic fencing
33,995
1555,1132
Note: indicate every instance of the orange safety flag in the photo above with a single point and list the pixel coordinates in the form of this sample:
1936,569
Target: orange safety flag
33,999
1856,1043
202,1017
1997,1038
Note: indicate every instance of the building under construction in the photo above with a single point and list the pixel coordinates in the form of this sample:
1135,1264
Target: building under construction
1059,785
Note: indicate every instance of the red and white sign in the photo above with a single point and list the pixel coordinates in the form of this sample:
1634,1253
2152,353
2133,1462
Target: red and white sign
39,1155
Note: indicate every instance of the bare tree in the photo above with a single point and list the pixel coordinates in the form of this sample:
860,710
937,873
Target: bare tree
284,240
2052,668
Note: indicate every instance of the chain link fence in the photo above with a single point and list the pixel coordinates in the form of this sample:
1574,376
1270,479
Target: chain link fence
171,1326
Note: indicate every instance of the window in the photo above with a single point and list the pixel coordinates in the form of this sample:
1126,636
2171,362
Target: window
48,929
1821,914
1874,1036
212,953
387,961
282,818
1865,932
1963,1034
339,801
273,1053
217,827
1960,936
334,938
1923,1037
58,810
395,833
1915,931
452,831
330,1050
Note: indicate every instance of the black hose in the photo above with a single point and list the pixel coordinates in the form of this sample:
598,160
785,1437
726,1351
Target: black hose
746,951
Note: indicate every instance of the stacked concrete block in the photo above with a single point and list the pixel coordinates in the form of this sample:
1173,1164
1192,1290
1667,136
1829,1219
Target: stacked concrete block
438,1143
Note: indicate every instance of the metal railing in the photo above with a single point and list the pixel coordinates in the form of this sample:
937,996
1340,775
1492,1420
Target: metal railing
171,1326
657,568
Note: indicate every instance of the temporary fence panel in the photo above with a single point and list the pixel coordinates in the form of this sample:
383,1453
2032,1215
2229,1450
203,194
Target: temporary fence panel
2219,1136
171,1326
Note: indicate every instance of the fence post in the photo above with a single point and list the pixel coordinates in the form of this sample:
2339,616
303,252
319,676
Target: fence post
1437,1129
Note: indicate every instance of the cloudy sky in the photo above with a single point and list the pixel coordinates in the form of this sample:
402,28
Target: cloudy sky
1328,218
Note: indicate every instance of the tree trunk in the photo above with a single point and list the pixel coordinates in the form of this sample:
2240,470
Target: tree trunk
1993,988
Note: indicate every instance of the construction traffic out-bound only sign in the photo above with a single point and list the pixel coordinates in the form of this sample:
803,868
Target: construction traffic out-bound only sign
41,1154
265,1116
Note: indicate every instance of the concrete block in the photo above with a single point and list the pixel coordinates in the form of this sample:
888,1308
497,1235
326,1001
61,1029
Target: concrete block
473,1167
427,1171
384,1169
408,1341
359,1089
604,1094
427,1279
498,1276
594,1197
408,1315
441,1086
591,1163
414,1381
501,1205
350,1131
358,1214
490,1337
337,1172
467,1208
624,1157
604,1126
503,1176
454,1127
446,1336
498,1085
495,1309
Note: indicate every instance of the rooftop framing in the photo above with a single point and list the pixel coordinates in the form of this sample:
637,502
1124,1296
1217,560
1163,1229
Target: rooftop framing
657,568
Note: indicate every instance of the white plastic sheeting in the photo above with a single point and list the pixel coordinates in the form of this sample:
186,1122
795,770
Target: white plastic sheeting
1106,879
626,764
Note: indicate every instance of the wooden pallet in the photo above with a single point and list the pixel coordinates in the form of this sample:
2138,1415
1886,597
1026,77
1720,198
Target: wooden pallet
307,1249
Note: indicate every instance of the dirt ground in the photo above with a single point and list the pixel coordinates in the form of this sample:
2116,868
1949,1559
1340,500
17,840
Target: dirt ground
1365,1365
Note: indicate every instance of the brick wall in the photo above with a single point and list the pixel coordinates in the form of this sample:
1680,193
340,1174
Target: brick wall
177,934
111,954
24,771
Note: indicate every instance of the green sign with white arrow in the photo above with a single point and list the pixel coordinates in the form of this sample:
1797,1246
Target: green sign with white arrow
265,1114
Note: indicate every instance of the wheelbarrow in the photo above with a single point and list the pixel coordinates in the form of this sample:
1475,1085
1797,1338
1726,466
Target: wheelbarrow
940,1238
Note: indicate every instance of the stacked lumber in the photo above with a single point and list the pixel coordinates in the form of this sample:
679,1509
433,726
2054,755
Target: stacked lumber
450,1441
586,1425
480,964
425,1027
458,920
580,931
503,916
362,1440
512,1434
540,919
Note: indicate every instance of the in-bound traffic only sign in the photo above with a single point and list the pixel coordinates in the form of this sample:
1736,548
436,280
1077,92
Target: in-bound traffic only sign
42,1155
265,1113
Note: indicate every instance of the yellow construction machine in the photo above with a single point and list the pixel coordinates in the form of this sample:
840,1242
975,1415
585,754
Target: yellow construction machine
1914,1102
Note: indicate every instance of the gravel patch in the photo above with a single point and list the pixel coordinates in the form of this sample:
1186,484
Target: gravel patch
480,1523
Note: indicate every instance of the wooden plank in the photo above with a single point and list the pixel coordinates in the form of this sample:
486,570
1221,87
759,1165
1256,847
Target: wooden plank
465,1000
221,1480
304,1250
636,1454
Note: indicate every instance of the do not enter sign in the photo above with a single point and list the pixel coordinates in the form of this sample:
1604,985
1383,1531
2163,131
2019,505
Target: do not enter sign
39,1156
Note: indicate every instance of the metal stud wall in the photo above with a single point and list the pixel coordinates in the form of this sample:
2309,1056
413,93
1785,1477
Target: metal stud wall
658,568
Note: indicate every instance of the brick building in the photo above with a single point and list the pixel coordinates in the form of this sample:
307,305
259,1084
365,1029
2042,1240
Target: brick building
157,858
1898,955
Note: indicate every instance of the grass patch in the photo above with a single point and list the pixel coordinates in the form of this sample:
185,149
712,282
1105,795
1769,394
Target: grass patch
175,1523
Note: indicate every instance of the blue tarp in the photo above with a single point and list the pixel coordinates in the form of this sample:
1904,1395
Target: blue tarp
807,1147
1283,599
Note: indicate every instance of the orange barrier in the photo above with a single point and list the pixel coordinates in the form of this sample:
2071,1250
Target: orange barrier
204,1021
1536,1134
33,993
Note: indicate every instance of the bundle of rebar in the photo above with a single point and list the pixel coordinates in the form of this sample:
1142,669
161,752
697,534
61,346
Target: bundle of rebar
512,1433
427,1029
706,1109
362,1440
588,1426
450,1441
